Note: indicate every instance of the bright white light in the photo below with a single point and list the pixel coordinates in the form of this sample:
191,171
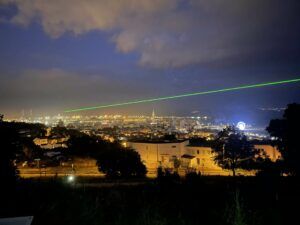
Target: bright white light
71,178
241,125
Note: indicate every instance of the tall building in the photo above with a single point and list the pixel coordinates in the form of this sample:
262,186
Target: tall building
153,118
153,115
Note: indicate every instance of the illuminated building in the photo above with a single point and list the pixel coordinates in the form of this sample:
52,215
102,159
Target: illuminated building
51,142
163,154
155,154
192,158
269,151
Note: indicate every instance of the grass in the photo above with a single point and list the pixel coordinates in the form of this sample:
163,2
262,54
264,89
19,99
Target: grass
200,200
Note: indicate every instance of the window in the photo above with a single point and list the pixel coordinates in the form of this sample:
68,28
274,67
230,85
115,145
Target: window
198,161
198,152
174,146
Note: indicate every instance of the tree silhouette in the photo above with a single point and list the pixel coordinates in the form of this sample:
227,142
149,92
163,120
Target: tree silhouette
10,146
267,168
233,150
286,134
120,162
112,158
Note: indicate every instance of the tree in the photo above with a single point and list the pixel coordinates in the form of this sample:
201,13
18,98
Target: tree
267,168
10,146
60,131
112,158
233,150
286,134
81,144
120,162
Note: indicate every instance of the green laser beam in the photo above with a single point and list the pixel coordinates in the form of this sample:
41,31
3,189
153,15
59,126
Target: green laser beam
185,95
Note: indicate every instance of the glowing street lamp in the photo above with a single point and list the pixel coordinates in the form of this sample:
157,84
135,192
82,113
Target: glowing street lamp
71,178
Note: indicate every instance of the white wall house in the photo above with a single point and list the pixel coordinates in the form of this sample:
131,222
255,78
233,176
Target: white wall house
270,151
199,159
195,158
155,154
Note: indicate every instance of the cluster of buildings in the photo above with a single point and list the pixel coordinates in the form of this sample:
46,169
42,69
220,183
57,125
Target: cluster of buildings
175,154
167,154
50,141
117,127
121,127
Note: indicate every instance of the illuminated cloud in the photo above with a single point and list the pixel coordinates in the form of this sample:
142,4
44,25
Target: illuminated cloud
172,33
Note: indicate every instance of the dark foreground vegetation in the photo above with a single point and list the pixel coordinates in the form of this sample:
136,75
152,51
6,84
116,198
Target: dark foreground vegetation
194,200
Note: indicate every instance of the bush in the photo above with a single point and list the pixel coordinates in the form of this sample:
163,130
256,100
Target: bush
166,176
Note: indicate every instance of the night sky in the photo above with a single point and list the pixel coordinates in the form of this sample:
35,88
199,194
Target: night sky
62,54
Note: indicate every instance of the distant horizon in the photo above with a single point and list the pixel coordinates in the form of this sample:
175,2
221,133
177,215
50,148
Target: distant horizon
269,113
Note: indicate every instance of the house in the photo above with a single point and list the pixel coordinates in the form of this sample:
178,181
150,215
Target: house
51,142
268,150
163,154
156,154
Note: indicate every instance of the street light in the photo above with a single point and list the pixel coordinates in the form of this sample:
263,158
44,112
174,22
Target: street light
71,178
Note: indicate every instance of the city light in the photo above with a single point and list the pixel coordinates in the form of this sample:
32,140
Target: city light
71,178
241,125
185,95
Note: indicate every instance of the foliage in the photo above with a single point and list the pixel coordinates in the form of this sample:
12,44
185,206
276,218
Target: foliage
169,137
200,141
235,212
31,130
60,131
166,177
120,162
10,146
30,151
193,178
210,202
233,150
112,159
17,146
81,144
286,132
268,168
